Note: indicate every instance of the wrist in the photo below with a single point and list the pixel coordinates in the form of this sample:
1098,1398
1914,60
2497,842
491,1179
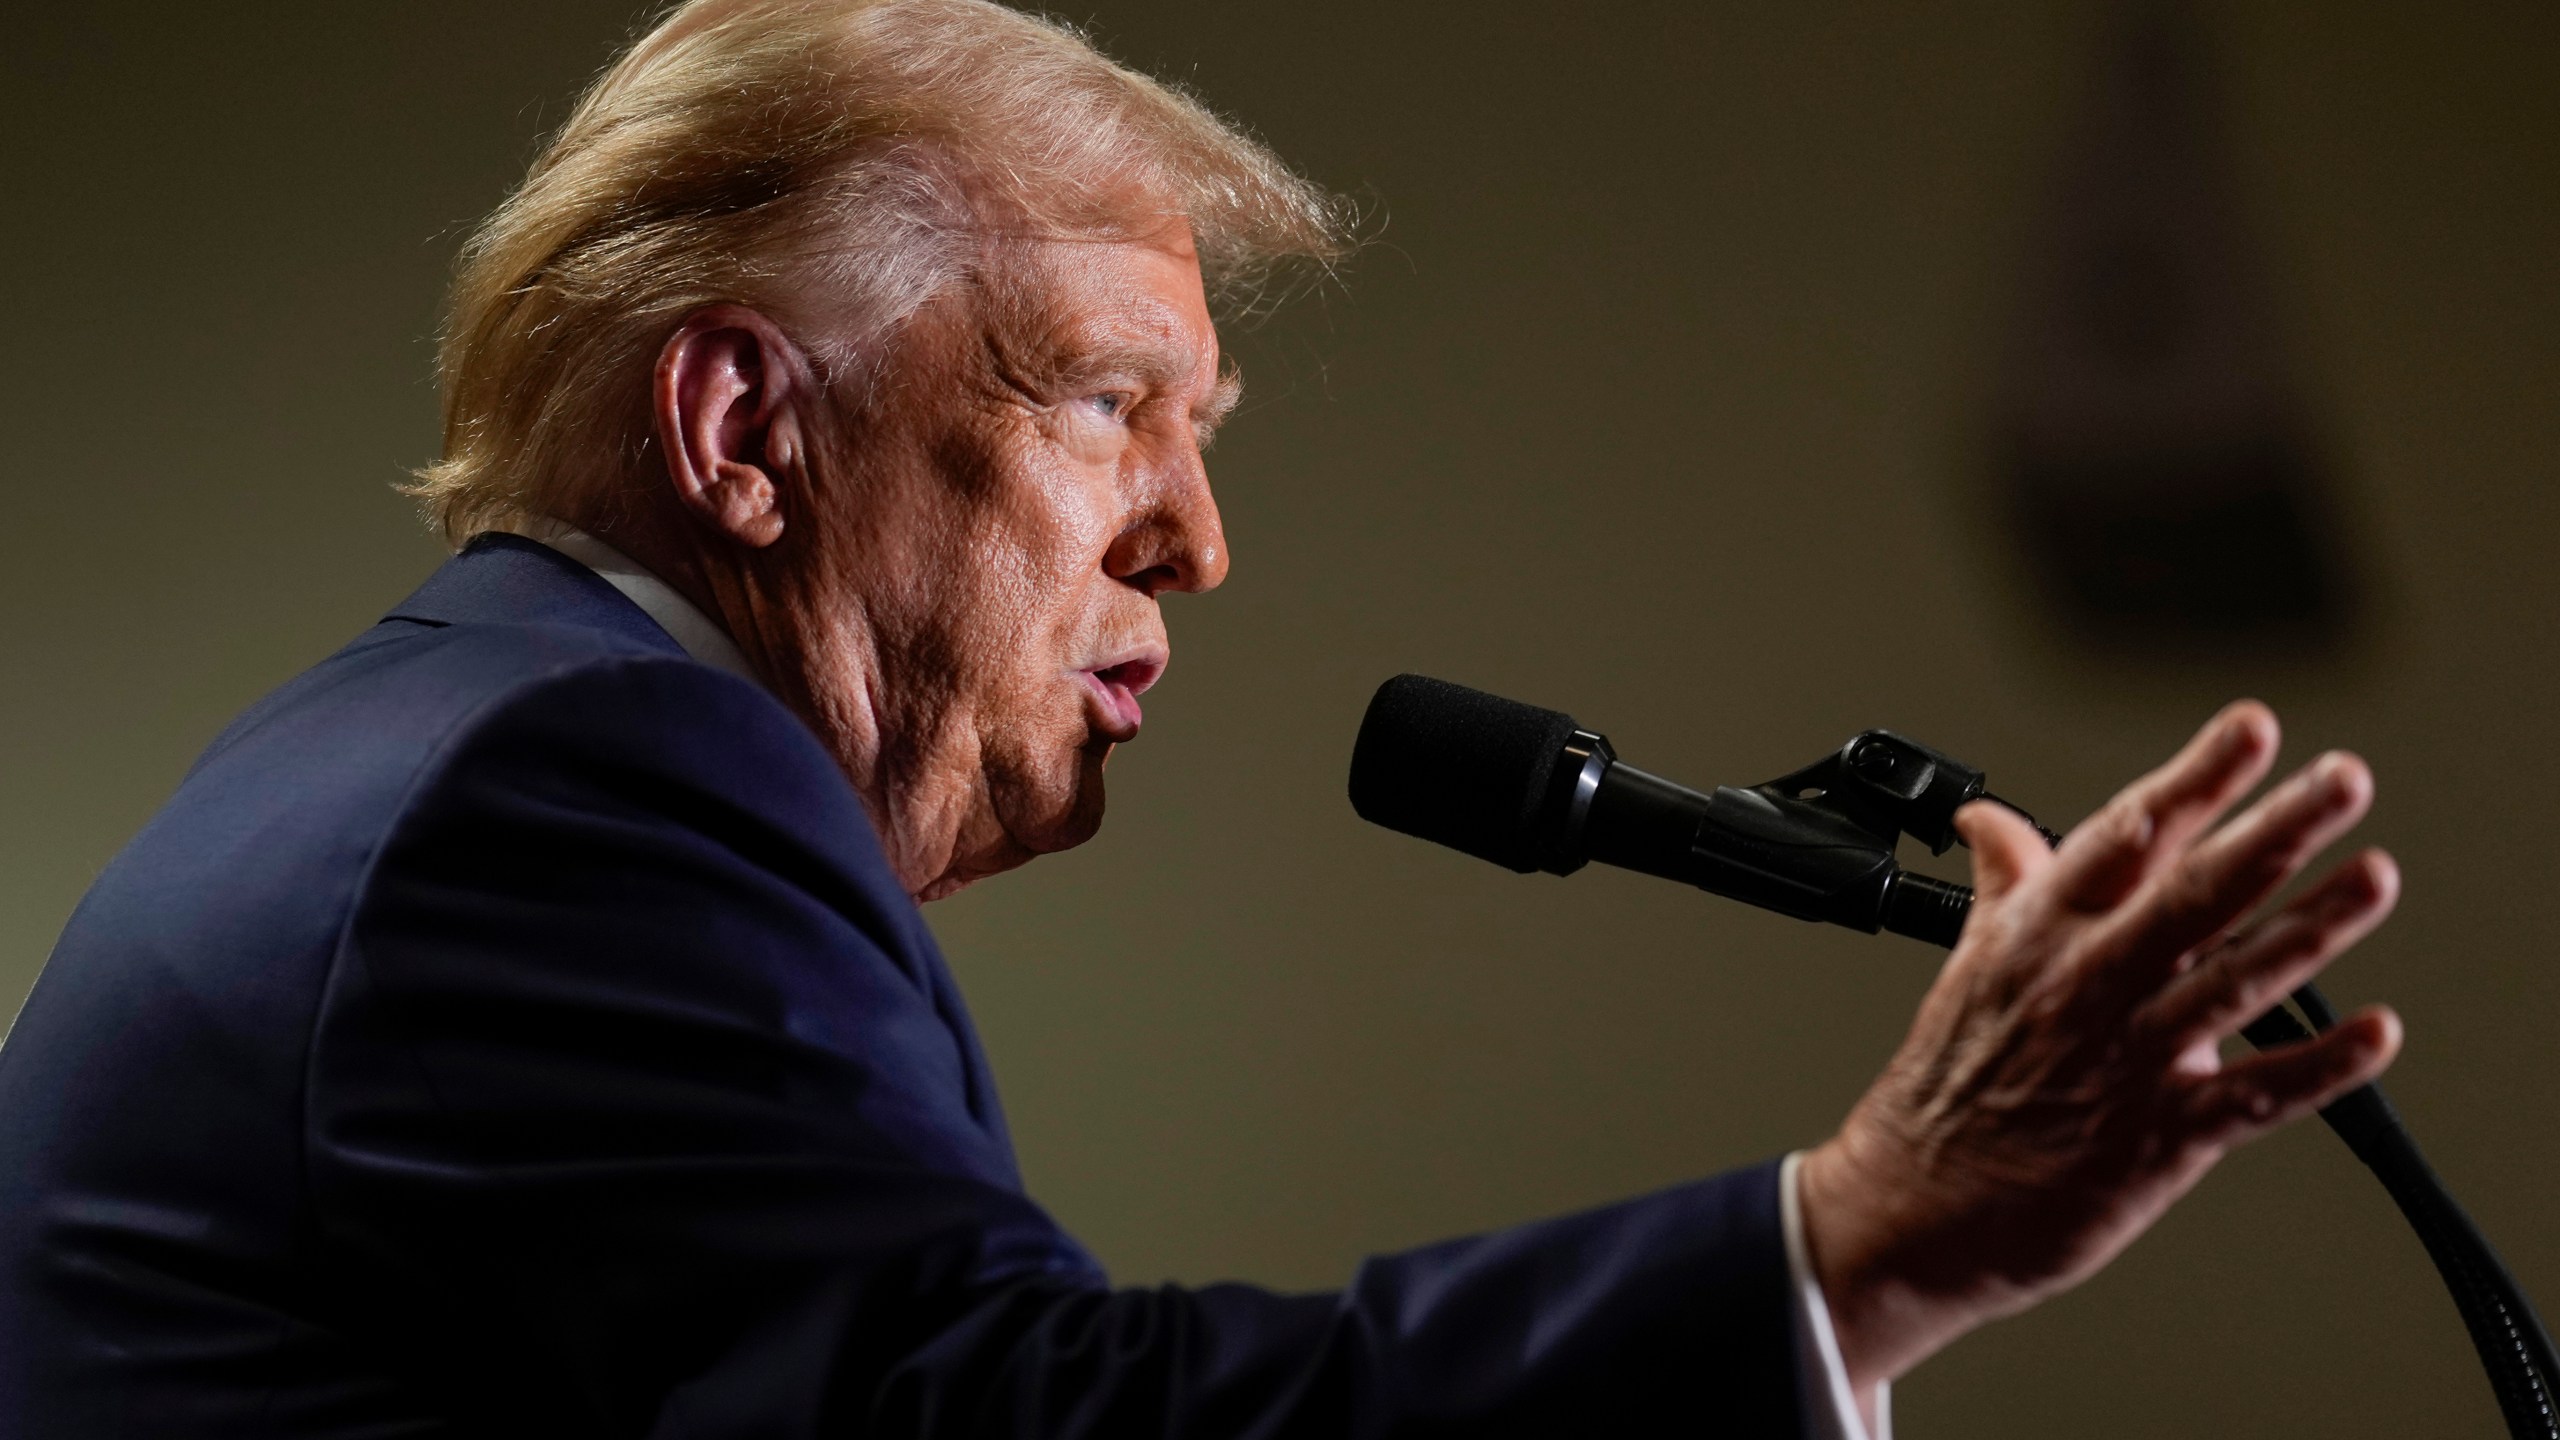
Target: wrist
1864,1238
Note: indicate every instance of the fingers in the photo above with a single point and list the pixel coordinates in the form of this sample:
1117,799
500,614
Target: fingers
2253,1096
2210,887
2005,847
2242,980
2152,819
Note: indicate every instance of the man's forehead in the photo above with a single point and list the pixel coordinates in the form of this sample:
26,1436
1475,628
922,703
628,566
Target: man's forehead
1133,302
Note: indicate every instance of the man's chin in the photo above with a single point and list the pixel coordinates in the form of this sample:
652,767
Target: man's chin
1023,838
968,870
1079,820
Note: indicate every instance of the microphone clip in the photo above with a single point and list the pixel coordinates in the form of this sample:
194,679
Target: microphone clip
1889,786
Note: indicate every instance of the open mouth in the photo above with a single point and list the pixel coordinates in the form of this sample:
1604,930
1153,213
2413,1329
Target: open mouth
1116,688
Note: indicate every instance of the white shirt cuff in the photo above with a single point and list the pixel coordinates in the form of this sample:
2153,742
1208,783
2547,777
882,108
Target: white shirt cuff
1830,1407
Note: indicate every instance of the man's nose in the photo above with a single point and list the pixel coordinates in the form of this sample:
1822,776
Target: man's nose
1175,541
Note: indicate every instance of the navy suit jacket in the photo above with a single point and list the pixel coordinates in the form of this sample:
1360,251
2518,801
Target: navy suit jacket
511,1028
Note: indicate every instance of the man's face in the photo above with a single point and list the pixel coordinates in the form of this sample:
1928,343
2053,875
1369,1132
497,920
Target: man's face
1019,485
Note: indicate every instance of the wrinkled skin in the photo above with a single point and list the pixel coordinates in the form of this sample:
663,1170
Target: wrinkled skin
2062,1083
954,574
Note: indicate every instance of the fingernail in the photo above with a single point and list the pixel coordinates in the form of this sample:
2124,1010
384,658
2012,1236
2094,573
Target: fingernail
2389,1032
2383,872
2241,722
2363,887
2314,783
2234,732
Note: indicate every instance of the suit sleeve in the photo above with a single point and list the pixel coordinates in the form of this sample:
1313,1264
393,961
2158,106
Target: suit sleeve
640,1105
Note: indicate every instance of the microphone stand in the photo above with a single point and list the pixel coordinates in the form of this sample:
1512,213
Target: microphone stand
1798,834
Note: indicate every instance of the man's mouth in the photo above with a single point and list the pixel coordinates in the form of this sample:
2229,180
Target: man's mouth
1115,689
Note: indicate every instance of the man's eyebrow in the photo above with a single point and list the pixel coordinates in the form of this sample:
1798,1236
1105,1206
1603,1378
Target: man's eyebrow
1081,365
1217,405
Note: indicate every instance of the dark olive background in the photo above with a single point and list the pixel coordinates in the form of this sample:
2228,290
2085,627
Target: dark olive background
1658,399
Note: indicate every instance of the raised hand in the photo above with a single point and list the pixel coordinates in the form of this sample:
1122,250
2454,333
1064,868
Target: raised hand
2063,1083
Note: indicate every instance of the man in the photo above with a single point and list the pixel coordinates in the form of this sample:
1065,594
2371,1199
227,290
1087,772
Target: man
522,1024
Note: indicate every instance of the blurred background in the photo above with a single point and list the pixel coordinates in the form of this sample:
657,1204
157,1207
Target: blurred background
2028,378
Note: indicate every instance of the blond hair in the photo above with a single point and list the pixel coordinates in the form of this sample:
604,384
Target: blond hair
834,164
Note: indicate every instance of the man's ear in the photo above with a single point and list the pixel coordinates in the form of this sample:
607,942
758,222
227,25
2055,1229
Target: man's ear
733,398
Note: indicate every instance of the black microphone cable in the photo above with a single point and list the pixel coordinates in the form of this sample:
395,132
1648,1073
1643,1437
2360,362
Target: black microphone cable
2505,1331
2514,1348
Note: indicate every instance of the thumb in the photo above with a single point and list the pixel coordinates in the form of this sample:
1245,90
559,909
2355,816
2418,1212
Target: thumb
2006,849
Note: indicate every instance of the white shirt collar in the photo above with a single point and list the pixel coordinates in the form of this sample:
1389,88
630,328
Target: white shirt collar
701,637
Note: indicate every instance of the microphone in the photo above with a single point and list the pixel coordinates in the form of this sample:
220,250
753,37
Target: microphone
1529,789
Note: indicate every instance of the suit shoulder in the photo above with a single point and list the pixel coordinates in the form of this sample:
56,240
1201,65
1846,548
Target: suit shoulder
678,820
406,680
623,720
621,743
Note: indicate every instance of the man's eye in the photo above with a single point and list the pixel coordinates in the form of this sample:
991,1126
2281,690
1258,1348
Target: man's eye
1112,404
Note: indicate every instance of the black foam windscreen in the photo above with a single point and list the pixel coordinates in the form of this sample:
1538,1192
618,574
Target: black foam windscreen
1457,767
